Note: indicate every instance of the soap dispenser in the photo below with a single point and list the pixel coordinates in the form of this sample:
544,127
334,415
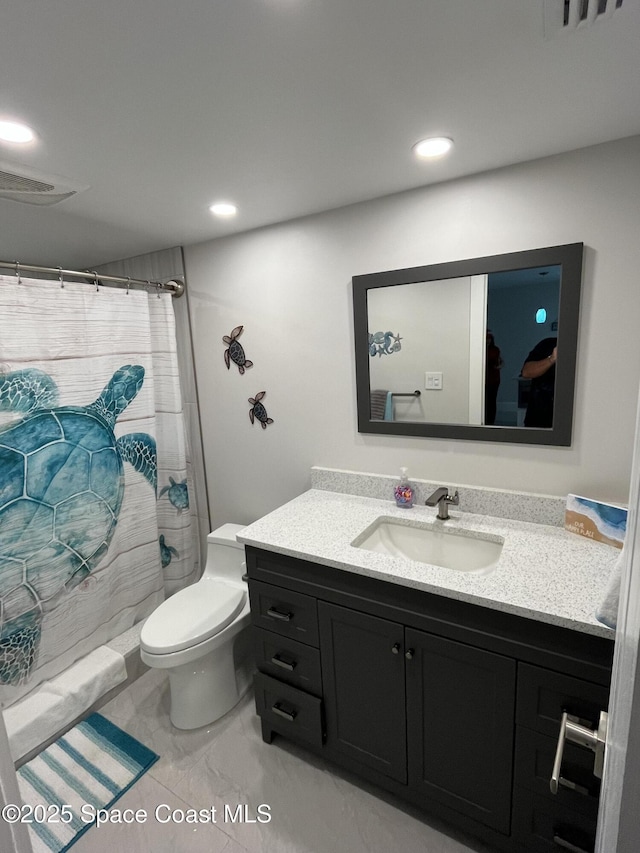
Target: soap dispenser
404,492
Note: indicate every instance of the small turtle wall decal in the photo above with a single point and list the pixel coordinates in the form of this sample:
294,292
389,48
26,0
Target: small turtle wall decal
235,352
258,411
166,552
61,489
178,494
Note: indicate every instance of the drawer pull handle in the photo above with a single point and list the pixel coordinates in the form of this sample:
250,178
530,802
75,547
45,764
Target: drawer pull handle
567,845
278,614
573,786
594,739
283,712
289,665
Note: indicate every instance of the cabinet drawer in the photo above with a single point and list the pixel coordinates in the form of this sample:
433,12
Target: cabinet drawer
291,614
543,695
546,827
289,710
534,758
289,661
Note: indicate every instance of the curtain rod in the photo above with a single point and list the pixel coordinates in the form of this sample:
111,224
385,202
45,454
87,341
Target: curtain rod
176,288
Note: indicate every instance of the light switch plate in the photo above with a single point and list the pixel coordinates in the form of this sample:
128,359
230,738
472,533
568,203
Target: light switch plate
433,381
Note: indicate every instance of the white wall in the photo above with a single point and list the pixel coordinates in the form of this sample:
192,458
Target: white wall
290,285
433,321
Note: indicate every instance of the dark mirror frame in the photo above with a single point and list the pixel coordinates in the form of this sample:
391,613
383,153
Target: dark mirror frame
569,257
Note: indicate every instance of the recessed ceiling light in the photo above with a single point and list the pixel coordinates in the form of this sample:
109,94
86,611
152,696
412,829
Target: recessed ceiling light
14,131
223,208
435,146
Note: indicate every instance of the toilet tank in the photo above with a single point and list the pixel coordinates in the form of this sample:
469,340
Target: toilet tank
225,555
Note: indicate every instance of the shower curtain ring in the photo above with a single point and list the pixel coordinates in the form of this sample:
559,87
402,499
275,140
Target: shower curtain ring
128,283
18,272
60,276
158,289
95,278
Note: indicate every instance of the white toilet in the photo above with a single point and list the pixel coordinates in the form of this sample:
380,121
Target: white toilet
199,635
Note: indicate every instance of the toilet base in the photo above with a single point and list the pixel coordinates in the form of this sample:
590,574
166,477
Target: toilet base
206,689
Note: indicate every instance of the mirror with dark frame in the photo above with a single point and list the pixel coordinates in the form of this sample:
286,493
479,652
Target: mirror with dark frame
481,349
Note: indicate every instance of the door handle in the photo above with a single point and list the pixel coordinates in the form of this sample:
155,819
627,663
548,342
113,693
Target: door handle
571,729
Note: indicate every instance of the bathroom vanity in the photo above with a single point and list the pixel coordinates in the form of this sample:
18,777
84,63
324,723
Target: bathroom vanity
444,687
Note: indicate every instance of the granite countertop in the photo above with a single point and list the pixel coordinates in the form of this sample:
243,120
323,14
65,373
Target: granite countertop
543,572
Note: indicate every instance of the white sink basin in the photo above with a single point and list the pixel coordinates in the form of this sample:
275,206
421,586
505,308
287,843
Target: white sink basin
461,550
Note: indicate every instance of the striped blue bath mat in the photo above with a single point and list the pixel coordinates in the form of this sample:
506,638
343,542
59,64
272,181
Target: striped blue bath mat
85,770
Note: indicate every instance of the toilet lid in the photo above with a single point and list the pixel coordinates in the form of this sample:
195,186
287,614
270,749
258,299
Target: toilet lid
191,616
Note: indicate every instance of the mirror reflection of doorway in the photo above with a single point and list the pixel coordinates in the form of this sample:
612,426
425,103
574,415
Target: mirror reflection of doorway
514,300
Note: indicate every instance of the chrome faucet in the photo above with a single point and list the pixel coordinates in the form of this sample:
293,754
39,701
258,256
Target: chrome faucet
442,498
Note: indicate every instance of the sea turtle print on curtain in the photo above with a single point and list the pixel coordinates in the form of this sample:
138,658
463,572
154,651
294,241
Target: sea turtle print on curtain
178,494
91,418
167,552
61,490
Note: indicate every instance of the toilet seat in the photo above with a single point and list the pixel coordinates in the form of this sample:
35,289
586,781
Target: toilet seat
191,616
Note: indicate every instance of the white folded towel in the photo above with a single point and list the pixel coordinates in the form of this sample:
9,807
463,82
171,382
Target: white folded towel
36,718
607,612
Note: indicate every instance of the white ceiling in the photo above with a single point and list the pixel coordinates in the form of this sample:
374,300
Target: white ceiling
287,107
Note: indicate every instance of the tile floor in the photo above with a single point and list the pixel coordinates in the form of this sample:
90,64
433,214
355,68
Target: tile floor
314,807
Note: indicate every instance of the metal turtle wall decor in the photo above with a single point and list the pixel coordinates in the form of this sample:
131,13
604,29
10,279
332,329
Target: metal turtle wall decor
61,490
235,351
257,412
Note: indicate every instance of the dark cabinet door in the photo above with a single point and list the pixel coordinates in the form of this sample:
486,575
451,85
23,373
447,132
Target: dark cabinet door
460,712
364,688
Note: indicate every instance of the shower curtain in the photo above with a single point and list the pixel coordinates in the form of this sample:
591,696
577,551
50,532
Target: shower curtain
97,517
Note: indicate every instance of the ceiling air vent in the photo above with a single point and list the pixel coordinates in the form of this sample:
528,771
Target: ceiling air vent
20,183
566,16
